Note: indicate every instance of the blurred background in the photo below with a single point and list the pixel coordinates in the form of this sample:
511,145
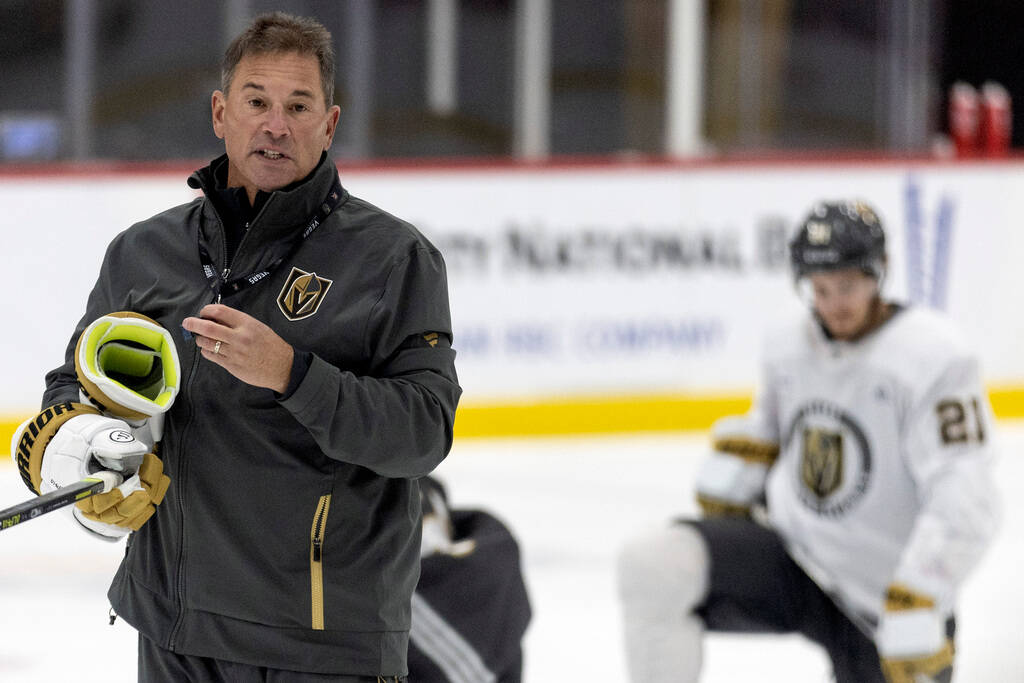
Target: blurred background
613,184
130,79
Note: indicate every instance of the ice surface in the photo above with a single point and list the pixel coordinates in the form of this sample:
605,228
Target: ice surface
571,502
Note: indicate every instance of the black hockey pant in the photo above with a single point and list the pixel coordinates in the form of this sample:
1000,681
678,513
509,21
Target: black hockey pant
756,587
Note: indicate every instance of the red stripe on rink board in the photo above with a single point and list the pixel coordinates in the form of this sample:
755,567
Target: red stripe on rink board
639,163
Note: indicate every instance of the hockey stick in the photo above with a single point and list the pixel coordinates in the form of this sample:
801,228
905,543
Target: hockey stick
62,497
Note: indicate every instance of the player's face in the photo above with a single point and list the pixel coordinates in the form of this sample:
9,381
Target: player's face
843,300
274,121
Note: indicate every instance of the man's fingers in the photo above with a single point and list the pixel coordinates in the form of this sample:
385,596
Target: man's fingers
218,358
220,323
242,345
206,328
215,346
230,317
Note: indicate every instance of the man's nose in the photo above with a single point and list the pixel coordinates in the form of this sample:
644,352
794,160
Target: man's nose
828,304
275,123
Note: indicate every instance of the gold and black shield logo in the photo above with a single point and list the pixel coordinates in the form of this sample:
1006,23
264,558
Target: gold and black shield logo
302,294
821,468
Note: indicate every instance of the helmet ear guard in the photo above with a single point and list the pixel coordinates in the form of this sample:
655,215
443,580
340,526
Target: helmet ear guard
127,366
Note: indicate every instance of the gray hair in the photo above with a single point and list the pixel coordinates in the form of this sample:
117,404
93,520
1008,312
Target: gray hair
280,32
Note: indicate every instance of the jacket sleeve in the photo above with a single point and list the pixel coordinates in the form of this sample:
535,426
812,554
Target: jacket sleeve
950,454
396,418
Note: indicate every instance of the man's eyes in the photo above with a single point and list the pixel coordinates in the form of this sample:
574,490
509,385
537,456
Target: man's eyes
257,103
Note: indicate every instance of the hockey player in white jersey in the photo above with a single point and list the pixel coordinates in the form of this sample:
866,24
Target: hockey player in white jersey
852,500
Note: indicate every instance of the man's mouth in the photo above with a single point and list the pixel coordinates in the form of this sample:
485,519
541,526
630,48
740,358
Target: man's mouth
270,154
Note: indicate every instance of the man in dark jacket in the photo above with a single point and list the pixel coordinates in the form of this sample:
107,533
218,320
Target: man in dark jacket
317,384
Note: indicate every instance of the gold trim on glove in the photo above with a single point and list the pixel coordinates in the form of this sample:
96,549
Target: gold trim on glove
127,365
134,510
33,436
907,670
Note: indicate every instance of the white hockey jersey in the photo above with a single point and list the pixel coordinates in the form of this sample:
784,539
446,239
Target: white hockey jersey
883,468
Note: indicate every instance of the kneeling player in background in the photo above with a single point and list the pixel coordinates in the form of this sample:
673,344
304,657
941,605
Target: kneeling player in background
852,500
470,609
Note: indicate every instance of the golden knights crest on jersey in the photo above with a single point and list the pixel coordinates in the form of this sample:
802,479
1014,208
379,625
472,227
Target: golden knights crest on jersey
302,294
833,464
821,463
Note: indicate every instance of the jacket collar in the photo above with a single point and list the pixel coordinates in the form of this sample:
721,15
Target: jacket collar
284,213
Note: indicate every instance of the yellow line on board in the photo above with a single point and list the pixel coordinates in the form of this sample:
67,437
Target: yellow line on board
596,415
640,413
8,423
1007,402
605,414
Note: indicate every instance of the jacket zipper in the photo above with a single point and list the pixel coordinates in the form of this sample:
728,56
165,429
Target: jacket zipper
226,270
223,281
316,564
179,589
245,233
180,474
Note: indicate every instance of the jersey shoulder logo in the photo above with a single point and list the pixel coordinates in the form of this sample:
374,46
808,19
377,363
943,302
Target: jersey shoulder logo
302,294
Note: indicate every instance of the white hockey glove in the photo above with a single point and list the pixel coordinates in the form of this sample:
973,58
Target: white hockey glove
911,639
731,480
69,442
127,367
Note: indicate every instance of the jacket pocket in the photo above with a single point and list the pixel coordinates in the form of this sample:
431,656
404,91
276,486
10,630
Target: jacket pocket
316,563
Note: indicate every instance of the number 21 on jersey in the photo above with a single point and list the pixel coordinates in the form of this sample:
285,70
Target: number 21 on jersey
960,422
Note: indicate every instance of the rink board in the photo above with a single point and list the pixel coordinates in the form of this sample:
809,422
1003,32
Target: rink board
585,298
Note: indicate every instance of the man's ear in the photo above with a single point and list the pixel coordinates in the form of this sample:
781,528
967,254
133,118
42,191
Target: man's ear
217,103
333,114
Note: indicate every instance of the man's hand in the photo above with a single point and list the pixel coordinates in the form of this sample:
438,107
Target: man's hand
243,346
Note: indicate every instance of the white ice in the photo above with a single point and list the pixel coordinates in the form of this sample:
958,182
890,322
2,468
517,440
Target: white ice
570,502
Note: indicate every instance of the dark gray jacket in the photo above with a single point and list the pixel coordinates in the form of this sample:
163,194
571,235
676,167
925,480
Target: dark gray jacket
290,535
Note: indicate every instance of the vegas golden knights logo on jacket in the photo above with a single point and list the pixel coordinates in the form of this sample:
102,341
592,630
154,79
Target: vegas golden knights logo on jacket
302,294
822,465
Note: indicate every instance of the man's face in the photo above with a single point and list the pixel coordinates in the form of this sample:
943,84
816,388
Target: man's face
843,300
274,121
